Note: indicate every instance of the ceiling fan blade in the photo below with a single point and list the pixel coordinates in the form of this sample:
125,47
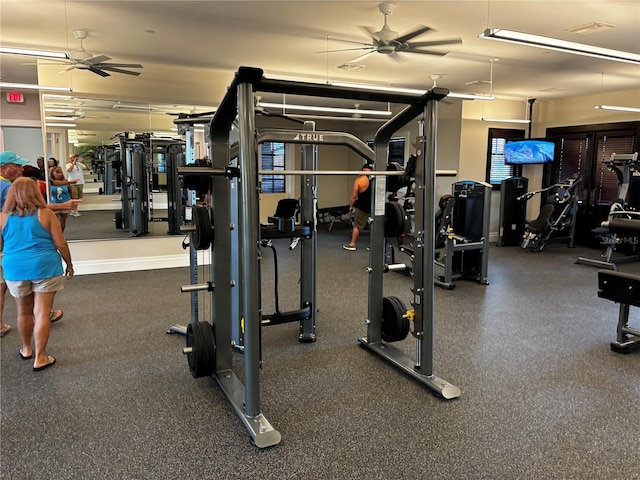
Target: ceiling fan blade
349,41
118,70
98,71
126,65
367,47
369,32
412,34
424,52
395,57
361,57
98,59
434,43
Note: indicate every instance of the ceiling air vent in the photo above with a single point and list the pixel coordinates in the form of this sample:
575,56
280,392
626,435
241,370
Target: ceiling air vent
591,27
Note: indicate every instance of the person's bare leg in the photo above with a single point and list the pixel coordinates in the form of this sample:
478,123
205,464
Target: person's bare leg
63,220
3,291
42,310
354,235
25,323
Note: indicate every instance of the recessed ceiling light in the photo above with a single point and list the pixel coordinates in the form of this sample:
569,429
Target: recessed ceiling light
591,27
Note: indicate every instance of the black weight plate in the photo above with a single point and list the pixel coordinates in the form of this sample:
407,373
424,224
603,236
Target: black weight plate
119,220
202,358
403,322
395,183
202,237
396,220
395,326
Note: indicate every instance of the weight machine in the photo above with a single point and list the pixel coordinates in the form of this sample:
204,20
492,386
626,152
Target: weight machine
210,344
462,234
109,158
136,161
557,216
622,288
612,232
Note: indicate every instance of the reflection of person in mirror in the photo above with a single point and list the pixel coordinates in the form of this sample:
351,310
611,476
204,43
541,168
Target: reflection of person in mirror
75,171
59,192
41,172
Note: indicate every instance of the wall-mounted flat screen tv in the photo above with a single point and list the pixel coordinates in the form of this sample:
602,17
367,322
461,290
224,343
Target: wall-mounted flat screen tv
529,151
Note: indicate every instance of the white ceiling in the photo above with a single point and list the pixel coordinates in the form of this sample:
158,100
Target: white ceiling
191,49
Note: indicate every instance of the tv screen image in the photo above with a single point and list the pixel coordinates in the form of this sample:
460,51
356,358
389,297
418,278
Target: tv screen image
530,151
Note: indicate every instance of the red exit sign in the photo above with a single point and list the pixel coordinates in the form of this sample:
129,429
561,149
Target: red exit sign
15,97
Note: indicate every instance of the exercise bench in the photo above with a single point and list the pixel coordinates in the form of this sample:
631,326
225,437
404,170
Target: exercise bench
622,288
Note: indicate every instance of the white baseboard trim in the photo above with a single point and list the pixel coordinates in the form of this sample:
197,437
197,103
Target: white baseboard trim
89,267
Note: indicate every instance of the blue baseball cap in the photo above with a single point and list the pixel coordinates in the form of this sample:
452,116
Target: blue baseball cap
7,158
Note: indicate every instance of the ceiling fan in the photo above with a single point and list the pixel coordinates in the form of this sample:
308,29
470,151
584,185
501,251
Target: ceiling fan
82,60
391,43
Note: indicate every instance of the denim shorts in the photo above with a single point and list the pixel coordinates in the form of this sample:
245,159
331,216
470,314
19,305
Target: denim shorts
24,288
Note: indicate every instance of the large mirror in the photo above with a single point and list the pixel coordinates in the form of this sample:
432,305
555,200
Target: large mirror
97,129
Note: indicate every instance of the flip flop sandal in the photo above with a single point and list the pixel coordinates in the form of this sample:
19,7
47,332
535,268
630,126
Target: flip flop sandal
53,317
23,356
5,330
50,361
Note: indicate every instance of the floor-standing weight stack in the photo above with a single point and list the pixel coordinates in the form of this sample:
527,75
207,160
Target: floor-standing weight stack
466,250
513,212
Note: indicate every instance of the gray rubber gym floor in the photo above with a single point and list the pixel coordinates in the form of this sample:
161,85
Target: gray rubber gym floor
543,396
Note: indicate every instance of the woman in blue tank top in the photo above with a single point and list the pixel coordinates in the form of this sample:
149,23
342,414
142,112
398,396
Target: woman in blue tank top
34,247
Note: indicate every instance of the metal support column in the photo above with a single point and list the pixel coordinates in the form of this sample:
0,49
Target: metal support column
246,399
308,261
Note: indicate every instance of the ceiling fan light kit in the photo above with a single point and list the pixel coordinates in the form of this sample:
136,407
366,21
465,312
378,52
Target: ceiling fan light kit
558,45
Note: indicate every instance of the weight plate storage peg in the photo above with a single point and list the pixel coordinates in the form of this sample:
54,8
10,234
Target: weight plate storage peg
201,349
202,236
395,324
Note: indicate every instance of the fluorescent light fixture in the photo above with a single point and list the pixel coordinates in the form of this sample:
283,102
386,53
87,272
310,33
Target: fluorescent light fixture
164,134
618,108
33,53
60,124
410,91
312,108
559,45
504,120
470,96
64,119
31,86
61,97
329,117
134,107
58,110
